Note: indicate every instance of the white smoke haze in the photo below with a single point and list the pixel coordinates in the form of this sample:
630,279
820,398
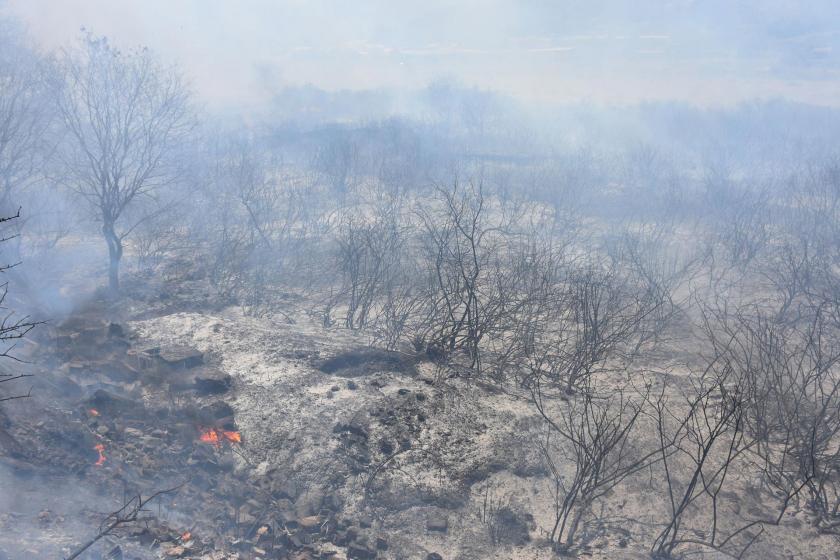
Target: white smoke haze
240,53
387,280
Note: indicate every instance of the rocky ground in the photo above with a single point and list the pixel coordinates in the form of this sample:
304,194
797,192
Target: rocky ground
285,439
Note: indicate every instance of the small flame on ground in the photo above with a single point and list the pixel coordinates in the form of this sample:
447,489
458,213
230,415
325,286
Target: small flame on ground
186,536
233,437
101,450
215,436
93,412
210,436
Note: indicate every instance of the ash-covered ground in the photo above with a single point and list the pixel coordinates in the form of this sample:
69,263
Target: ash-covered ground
281,438
294,280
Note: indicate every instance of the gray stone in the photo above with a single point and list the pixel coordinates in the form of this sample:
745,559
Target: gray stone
212,382
180,356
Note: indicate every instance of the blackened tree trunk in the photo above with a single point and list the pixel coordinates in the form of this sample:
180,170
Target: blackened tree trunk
115,252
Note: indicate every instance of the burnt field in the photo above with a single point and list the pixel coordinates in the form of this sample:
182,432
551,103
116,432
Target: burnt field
560,414
537,280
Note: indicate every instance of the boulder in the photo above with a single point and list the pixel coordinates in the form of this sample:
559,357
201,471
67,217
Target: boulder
211,381
180,357
218,414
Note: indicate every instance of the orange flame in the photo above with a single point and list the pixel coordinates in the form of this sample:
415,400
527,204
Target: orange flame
101,450
210,436
215,436
93,412
186,536
233,437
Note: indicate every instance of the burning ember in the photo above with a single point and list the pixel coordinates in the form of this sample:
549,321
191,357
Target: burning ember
216,436
186,536
101,450
93,412
233,437
210,436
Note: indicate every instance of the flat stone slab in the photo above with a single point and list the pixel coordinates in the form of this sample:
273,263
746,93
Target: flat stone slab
181,356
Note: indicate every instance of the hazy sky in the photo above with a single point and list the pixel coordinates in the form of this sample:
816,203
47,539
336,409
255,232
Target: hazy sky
704,51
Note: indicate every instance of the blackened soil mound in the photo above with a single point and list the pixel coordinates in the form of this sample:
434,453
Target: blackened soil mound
365,361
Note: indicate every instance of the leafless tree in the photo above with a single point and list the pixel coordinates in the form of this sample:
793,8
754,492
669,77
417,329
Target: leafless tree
26,114
255,219
792,405
13,328
460,243
810,251
125,115
133,510
402,303
700,442
599,320
534,297
790,269
585,322
595,433
725,420
337,160
740,218
368,260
